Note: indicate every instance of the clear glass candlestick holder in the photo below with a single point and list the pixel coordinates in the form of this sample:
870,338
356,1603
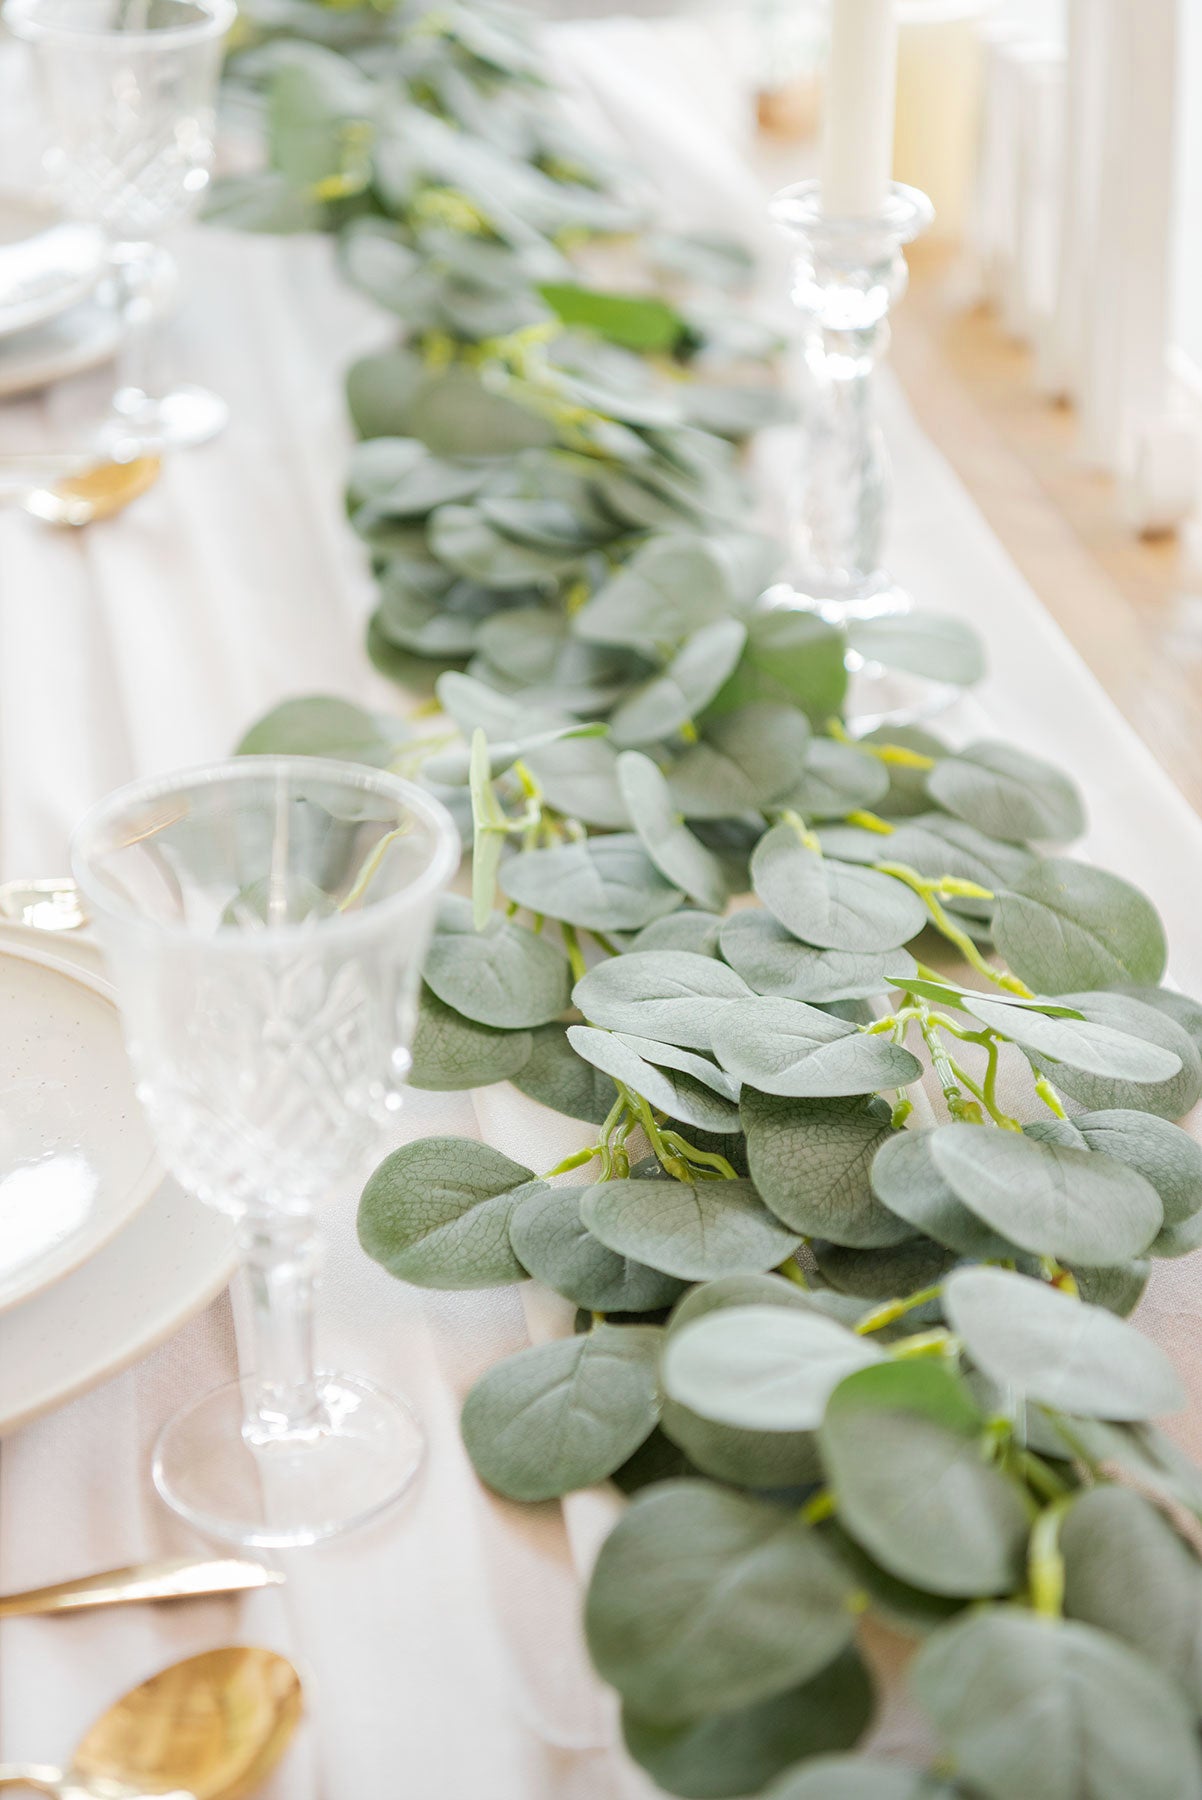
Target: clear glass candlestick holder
847,275
264,921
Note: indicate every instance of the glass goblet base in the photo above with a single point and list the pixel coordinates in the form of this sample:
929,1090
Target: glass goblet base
280,1493
178,420
876,694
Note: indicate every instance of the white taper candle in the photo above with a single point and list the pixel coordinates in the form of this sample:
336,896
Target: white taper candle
861,82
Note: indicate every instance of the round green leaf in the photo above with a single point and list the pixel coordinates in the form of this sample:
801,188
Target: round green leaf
907,1182
764,1368
882,1274
679,856
786,1047
437,1213
837,779
745,760
603,884
451,1052
902,1447
657,708
579,777
554,1245
1049,1347
1066,926
761,1460
937,645
811,1163
1072,1204
503,976
703,1601
672,995
691,1093
669,589
1128,1572
1038,1709
321,725
773,962
554,1074
565,1414
683,930
695,1230
1094,1048
833,905
738,1290
790,656
860,1778
1169,1097
1008,794
1161,1152
734,1753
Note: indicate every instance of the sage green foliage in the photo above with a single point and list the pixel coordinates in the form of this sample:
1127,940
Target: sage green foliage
847,1361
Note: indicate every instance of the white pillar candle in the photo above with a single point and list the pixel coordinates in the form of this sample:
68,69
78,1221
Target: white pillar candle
861,82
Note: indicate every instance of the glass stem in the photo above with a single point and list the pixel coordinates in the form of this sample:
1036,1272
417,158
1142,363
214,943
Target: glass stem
142,270
281,1260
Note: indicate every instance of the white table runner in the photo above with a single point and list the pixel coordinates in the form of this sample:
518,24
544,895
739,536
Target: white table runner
442,1646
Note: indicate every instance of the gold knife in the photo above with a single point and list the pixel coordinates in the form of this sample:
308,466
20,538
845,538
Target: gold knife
178,1580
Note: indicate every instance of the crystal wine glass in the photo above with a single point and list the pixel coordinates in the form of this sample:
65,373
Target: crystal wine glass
128,88
265,921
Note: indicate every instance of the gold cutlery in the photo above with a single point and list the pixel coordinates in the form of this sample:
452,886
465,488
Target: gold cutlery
210,1728
181,1579
96,493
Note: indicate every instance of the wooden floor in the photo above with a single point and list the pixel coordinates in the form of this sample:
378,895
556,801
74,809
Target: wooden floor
1121,600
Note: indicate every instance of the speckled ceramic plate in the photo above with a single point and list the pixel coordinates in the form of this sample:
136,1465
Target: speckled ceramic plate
76,1157
47,263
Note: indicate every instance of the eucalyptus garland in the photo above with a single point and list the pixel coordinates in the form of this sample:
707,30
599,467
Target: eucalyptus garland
852,1365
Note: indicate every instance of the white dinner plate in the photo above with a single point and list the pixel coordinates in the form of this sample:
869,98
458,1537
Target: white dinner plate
47,264
76,1157
164,1266
82,338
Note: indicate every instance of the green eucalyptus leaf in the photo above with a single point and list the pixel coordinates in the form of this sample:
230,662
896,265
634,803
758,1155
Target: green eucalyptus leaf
1170,1096
1008,794
1072,1204
885,1274
762,1367
579,777
675,996
791,657
321,725
1052,1348
437,1213
664,703
832,905
909,1186
744,761
1040,1709
861,1778
1067,927
1179,1007
733,1753
684,1086
775,963
553,1244
451,1052
636,321
692,1229
697,932
679,856
1128,1572
738,1290
456,414
785,1047
811,1163
671,588
1084,1044
919,750
763,1461
838,779
902,1447
554,1074
565,1414
603,884
936,645
1161,1152
703,1601
503,976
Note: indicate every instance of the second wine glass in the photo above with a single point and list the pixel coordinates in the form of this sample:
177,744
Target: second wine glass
265,922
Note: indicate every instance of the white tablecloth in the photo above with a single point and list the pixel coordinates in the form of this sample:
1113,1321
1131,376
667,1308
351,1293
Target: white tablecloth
442,1646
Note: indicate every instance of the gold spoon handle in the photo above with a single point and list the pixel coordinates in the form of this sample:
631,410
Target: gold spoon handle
42,1776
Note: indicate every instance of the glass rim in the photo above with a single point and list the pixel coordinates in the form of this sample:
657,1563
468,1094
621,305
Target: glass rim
442,863
21,17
